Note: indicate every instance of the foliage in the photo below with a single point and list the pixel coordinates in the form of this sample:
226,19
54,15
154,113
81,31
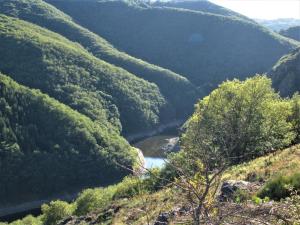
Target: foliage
285,74
295,116
92,199
28,220
279,187
52,147
45,15
56,211
201,46
239,121
67,72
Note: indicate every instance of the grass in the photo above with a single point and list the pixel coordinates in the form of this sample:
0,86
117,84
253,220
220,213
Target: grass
281,162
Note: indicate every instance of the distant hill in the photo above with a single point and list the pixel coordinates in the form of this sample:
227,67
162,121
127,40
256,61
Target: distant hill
292,32
199,5
279,24
41,59
286,74
203,47
46,148
168,82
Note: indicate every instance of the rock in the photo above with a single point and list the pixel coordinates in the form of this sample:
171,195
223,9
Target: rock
141,162
172,145
163,219
230,187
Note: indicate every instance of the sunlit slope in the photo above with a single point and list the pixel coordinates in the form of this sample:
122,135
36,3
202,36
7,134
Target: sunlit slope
41,59
47,149
204,47
177,90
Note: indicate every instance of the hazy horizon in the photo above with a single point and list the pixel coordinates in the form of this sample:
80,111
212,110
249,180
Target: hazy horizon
263,9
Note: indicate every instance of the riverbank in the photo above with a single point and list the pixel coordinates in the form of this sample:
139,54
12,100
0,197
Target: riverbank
161,128
10,213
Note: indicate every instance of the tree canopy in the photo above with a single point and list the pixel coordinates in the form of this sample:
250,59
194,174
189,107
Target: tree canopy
47,148
241,120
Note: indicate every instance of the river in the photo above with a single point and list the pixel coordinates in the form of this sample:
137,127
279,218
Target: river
156,148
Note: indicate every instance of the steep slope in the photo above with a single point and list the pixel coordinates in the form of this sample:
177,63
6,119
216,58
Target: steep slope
200,5
201,46
45,15
41,59
286,74
46,148
292,32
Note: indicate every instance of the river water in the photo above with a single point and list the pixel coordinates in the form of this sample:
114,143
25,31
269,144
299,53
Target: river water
156,148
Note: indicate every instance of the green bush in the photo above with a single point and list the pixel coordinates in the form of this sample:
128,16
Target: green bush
280,187
28,220
91,199
56,211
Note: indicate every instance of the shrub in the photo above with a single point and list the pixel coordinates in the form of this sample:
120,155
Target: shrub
28,220
91,199
56,211
129,187
280,187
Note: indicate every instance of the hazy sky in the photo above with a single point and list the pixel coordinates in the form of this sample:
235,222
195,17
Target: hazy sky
263,9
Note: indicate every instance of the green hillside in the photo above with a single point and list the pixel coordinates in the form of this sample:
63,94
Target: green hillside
292,32
46,15
46,148
202,46
286,74
38,58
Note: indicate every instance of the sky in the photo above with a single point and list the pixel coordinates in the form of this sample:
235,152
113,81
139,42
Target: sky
263,9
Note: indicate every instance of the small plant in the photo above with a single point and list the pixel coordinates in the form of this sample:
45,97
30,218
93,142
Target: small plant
241,196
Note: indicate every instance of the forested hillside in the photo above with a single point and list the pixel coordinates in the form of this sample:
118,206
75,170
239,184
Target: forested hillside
286,74
38,58
46,15
46,148
201,46
233,168
292,32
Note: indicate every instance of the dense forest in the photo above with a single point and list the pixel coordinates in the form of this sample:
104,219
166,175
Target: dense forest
200,46
47,148
168,82
285,74
292,32
67,72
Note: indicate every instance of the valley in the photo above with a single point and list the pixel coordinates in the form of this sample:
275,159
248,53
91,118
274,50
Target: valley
199,94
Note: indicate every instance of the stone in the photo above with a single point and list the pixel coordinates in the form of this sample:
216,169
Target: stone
229,188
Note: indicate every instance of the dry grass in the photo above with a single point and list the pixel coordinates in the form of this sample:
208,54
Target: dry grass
285,162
